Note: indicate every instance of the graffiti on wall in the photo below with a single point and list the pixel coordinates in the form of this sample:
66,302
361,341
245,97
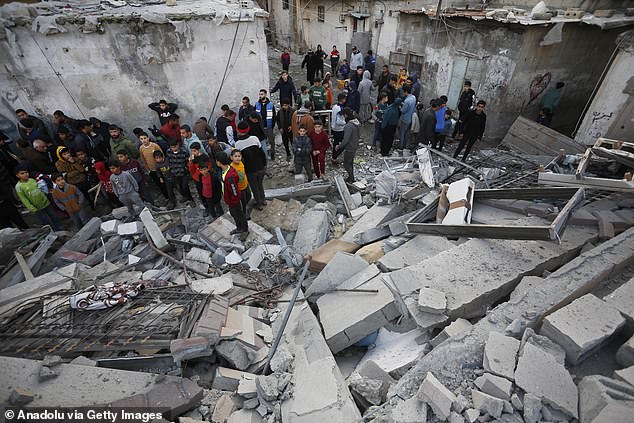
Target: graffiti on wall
538,85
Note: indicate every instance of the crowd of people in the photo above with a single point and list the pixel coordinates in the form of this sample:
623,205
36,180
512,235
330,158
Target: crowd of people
82,162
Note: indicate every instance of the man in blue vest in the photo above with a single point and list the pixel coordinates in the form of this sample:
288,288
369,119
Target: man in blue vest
266,110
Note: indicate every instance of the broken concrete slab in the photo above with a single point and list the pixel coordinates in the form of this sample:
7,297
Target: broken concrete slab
538,373
372,235
312,230
224,407
487,404
472,285
155,233
625,375
219,285
500,353
247,328
394,352
130,228
419,248
188,348
543,342
321,256
497,386
623,300
437,396
237,354
356,213
344,325
598,393
411,411
342,267
21,396
527,283
278,214
313,366
75,386
83,361
109,227
260,252
245,416
374,217
582,327
625,354
432,301
219,230
371,252
212,319
226,379
456,327
13,298
425,321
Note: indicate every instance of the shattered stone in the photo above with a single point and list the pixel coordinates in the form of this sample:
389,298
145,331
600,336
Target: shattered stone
236,353
109,227
625,353
516,402
471,415
267,387
544,343
225,406
436,395
371,252
312,230
155,233
218,286
455,418
247,387
21,396
51,360
425,321
622,299
582,327
84,361
414,251
47,374
412,410
598,393
281,360
487,403
500,352
459,325
539,374
527,283
496,386
321,256
251,403
432,301
532,409
342,267
245,416
188,348
131,228
370,389
460,403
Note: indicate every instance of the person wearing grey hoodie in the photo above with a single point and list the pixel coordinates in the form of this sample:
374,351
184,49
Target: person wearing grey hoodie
365,112
350,143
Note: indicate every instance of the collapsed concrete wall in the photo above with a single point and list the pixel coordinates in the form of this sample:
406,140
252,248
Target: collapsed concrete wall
127,62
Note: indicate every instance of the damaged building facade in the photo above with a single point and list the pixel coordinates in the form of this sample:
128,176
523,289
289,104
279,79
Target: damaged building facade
111,63
512,60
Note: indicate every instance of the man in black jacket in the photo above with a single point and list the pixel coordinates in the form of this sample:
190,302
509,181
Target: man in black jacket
428,124
473,129
284,124
254,161
286,87
164,110
310,63
464,105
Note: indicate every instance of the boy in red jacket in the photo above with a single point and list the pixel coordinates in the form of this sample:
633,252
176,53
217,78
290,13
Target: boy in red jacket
207,190
286,59
231,194
321,144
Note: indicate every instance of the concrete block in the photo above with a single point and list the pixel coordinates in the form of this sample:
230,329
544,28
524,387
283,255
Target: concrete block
615,220
219,230
342,267
188,348
604,13
487,404
497,386
247,388
109,227
432,301
460,403
247,329
419,248
516,402
21,396
357,199
153,229
622,299
372,311
437,396
371,252
218,286
457,326
543,342
424,321
527,283
627,215
372,235
372,218
598,397
412,410
539,209
500,353
131,228
83,361
212,319
312,231
245,416
356,214
267,387
582,217
582,327
532,409
321,256
625,354
226,379
539,374
471,415
223,409
615,413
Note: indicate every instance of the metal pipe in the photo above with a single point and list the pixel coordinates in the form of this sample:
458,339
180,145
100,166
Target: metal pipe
287,315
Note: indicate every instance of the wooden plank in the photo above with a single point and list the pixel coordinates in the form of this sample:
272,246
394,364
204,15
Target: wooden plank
561,221
532,138
524,193
34,263
535,233
583,163
606,184
26,271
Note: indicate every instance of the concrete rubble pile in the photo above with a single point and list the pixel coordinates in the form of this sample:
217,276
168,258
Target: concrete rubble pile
388,324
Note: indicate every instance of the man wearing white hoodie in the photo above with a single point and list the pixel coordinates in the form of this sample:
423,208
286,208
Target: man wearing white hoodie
365,113
356,59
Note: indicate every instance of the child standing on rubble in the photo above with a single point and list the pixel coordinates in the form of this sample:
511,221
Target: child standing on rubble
321,144
232,195
243,182
126,188
133,167
207,189
165,177
303,152
70,199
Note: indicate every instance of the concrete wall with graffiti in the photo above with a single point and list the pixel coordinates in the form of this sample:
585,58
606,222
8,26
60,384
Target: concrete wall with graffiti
519,64
610,103
113,74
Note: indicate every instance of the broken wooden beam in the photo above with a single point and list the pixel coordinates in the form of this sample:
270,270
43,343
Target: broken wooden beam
606,184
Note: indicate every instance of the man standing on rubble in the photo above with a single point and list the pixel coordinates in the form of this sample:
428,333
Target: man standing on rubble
473,129
350,142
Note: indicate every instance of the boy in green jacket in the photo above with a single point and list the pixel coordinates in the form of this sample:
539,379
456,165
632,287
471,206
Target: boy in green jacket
35,200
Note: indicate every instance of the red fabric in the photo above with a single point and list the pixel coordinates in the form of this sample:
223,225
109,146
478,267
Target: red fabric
207,185
231,191
320,141
104,176
172,132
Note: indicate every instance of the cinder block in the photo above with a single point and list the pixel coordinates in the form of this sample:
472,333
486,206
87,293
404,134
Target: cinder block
500,353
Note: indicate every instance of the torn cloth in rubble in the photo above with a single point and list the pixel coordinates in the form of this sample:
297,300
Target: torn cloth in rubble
105,296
